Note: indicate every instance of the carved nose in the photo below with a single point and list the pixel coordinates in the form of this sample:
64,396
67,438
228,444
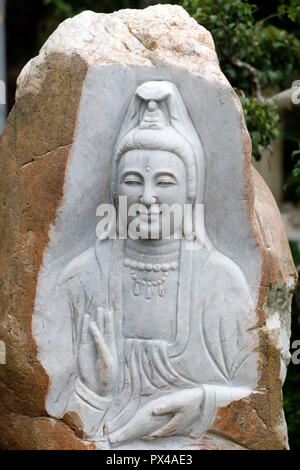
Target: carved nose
148,200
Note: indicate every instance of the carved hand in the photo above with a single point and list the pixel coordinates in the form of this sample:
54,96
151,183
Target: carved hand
165,416
184,407
98,372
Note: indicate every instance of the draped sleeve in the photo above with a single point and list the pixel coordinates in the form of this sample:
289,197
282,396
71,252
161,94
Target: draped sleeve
228,330
76,295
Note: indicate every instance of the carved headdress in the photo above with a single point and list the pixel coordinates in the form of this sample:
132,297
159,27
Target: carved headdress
157,119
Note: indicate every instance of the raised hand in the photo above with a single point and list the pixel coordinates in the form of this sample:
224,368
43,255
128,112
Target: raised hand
97,355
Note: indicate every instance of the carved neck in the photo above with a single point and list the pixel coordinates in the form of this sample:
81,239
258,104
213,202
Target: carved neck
156,249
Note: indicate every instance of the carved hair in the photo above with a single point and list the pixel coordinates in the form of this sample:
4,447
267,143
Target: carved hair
157,119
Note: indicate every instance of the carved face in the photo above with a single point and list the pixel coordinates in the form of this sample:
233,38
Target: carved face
153,178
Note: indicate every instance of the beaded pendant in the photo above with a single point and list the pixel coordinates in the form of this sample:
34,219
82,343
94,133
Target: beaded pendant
146,283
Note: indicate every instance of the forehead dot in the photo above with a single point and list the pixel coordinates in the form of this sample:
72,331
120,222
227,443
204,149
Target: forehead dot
148,168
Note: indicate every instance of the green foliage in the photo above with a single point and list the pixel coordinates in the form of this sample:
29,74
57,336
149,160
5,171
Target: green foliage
238,35
295,254
253,54
62,9
294,178
291,9
261,121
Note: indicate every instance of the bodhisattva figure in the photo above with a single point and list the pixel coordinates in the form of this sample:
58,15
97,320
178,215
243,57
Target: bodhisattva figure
161,327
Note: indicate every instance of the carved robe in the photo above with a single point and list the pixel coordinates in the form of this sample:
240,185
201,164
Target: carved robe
214,347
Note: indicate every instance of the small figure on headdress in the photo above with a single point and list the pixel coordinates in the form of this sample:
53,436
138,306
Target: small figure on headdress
154,117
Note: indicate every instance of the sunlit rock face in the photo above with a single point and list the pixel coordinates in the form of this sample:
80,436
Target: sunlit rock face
122,342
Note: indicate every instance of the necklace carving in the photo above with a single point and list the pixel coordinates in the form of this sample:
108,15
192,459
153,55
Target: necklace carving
137,269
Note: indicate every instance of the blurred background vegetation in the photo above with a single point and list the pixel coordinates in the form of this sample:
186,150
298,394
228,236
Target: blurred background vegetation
258,44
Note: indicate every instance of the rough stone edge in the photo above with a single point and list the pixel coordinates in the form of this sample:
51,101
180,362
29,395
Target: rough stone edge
142,53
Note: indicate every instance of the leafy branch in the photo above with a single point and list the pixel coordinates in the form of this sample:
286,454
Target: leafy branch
257,57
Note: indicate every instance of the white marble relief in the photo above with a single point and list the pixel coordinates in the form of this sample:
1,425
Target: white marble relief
147,338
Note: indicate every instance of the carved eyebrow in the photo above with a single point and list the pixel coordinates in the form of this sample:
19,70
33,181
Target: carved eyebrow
165,173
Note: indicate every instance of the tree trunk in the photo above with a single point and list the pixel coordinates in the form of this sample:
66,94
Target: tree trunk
287,100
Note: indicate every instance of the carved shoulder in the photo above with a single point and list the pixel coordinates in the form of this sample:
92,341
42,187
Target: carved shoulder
83,280
225,276
80,269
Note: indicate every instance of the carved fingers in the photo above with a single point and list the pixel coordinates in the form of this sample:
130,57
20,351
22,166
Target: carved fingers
102,331
106,319
183,407
167,406
101,346
104,353
166,416
97,358
104,339
172,427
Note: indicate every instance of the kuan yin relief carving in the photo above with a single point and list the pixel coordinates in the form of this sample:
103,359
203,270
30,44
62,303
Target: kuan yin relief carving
149,336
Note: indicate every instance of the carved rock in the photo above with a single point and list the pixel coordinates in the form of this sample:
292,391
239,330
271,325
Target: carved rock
105,338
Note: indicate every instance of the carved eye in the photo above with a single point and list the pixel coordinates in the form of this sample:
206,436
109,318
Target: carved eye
132,181
165,182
